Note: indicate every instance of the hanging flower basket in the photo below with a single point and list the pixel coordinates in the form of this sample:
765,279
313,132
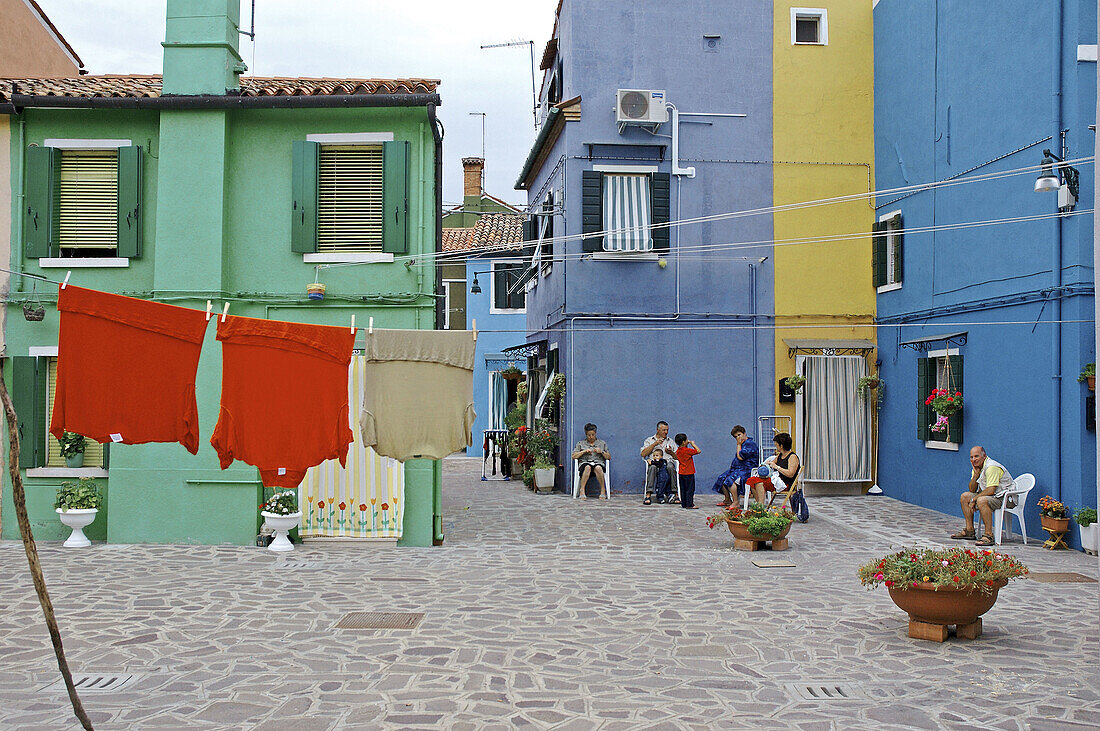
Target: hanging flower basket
315,291
33,312
796,383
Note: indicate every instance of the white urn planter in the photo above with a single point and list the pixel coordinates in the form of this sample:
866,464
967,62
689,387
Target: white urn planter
1090,537
78,519
544,478
281,524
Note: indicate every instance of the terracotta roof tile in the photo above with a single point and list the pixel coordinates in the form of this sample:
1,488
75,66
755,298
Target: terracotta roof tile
148,85
493,231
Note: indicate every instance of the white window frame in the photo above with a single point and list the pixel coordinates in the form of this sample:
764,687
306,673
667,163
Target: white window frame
891,255
822,16
89,144
351,257
941,445
447,300
604,255
493,309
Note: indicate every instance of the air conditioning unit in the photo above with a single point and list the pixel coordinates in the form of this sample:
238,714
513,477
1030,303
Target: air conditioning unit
640,106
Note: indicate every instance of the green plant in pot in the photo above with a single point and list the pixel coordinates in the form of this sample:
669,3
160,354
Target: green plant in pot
77,504
1090,531
541,443
72,448
871,383
1088,375
796,383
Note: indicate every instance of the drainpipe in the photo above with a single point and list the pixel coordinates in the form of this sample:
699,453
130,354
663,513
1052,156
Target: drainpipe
17,241
755,367
1056,268
437,135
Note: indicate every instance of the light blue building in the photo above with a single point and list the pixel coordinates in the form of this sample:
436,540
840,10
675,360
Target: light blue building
962,92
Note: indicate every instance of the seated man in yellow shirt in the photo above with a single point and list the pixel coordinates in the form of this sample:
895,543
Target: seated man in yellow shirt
989,481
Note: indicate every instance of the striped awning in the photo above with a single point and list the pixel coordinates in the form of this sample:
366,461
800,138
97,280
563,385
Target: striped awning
626,212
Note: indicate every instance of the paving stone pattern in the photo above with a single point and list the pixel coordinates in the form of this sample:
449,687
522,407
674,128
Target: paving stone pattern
544,612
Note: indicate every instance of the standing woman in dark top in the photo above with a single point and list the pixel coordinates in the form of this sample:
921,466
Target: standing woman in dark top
785,462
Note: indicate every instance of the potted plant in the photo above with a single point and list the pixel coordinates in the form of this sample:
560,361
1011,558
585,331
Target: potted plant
936,586
281,513
77,504
556,390
1088,375
757,523
1053,515
529,477
512,373
796,383
72,449
541,443
868,384
1086,522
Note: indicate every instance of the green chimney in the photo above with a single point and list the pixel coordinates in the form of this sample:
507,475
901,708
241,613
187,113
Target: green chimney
200,47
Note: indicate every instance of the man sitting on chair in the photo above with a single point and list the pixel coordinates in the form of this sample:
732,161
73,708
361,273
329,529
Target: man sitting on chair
989,481
660,441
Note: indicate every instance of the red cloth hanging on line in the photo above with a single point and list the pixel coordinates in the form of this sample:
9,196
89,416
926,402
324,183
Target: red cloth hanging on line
126,369
284,405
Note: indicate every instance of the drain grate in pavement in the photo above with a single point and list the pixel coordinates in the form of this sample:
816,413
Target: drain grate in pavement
94,682
380,620
1054,577
299,565
825,691
403,580
763,563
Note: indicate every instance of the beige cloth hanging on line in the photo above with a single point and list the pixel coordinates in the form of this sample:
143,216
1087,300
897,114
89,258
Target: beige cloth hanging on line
418,397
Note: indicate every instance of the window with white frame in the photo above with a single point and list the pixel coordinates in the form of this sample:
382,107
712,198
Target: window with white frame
888,254
809,27
349,198
942,369
506,296
626,212
546,234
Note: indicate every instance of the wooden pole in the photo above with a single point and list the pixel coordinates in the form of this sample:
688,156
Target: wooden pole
20,500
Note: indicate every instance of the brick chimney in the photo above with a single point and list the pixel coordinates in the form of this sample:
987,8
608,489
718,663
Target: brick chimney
473,168
200,47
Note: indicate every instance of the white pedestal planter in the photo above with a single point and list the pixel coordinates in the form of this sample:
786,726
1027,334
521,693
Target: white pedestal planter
544,479
280,524
1090,536
78,520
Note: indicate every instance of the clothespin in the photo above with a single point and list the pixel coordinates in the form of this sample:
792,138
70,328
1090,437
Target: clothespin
209,310
353,324
473,322
225,311
66,282
370,326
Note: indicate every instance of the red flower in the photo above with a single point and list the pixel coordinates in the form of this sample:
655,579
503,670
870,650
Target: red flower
888,582
951,399
320,503
973,573
955,579
385,506
342,505
362,507
958,393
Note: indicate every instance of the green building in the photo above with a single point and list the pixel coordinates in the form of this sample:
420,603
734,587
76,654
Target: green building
200,185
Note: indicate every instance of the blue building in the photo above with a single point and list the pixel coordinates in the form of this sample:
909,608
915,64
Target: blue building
960,93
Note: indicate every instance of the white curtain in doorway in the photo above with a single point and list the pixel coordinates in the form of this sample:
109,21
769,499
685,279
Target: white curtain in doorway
498,400
836,441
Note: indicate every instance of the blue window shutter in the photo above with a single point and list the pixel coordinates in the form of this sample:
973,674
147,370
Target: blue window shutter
660,193
591,209
395,197
303,229
129,202
29,398
40,221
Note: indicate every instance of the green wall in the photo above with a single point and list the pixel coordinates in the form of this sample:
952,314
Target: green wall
216,207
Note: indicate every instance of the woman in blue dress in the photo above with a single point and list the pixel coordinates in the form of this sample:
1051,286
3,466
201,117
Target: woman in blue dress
744,462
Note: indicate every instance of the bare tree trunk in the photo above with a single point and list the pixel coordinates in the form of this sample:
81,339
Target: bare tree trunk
32,553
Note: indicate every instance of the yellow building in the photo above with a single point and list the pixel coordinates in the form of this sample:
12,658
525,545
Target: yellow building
823,147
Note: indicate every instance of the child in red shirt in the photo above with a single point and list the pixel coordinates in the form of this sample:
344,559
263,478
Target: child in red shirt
685,455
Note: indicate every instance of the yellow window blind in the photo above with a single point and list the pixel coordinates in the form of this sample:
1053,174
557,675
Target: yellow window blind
349,198
88,199
93,451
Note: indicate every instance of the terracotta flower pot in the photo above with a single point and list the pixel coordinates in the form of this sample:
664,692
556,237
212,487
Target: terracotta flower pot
1058,525
740,531
946,605
1092,382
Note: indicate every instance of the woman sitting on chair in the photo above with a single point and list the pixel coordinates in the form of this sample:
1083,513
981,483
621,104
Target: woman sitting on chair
784,462
592,455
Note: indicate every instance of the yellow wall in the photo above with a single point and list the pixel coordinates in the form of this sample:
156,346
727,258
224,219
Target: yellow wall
823,113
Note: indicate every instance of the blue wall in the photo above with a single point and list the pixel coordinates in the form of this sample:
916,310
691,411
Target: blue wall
488,342
682,359
947,100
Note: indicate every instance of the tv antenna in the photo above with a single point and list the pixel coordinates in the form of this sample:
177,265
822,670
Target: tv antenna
534,94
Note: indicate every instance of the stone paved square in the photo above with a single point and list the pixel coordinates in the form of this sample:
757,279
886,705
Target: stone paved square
548,613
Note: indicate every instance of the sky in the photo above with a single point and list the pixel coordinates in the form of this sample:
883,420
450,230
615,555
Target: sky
365,38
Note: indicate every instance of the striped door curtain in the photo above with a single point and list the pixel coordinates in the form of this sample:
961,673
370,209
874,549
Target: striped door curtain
626,212
365,499
836,444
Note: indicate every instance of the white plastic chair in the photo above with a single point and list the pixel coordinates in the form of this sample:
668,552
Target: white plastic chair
578,487
1024,484
675,475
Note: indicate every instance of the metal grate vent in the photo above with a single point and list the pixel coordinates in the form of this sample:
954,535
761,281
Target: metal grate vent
825,691
380,620
94,682
1054,577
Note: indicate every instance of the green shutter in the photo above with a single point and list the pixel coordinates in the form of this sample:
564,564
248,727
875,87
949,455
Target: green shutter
878,253
926,379
591,209
40,222
29,397
129,202
899,250
395,197
303,229
660,191
955,421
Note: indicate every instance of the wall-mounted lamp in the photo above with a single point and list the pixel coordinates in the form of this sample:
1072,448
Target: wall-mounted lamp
1050,179
475,288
